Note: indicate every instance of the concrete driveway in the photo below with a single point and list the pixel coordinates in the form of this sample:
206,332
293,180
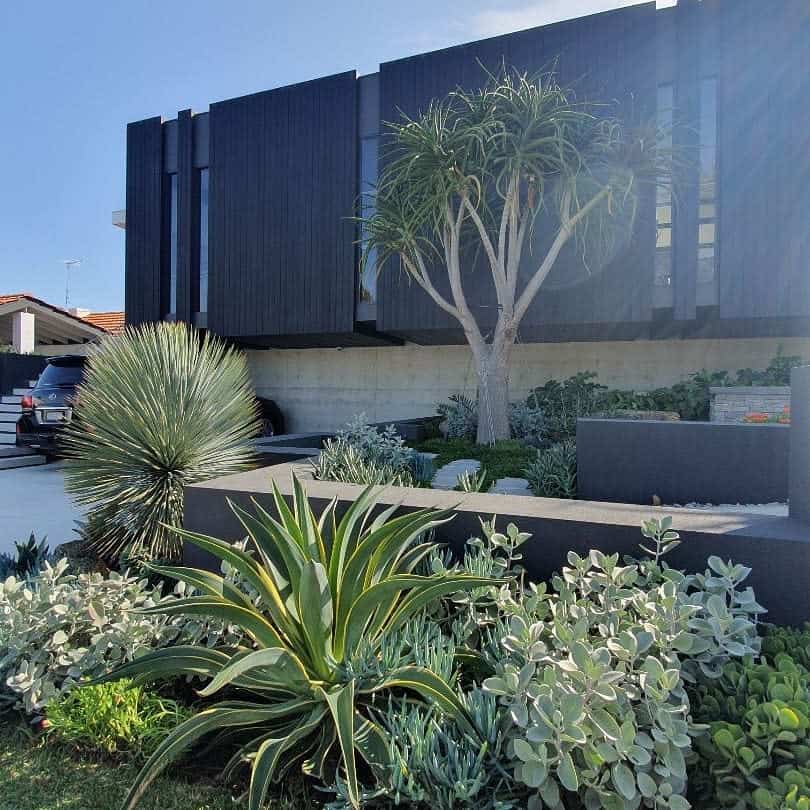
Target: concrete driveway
33,499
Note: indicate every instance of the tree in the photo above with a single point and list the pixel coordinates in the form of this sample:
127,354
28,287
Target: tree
474,173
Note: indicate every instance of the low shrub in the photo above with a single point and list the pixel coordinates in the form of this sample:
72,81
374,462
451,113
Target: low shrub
528,424
27,560
114,719
360,453
336,598
756,753
56,629
506,459
161,407
592,675
553,472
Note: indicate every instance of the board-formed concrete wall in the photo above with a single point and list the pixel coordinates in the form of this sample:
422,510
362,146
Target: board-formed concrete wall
628,461
321,389
800,444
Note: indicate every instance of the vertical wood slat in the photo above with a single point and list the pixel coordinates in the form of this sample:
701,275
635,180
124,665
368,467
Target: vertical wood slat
143,232
283,174
186,226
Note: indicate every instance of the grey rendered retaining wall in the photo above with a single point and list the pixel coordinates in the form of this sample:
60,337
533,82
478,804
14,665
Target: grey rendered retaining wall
775,548
800,444
731,404
681,462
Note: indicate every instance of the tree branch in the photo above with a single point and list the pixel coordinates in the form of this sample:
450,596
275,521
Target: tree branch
495,262
427,285
563,235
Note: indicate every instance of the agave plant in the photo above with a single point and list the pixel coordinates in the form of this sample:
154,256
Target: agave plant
160,408
330,593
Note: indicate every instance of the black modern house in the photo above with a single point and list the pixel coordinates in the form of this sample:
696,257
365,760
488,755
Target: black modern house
239,219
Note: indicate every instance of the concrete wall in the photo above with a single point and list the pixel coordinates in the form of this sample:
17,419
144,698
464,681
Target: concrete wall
320,389
800,445
733,404
681,462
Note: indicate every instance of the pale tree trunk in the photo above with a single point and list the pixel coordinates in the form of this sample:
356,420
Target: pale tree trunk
492,368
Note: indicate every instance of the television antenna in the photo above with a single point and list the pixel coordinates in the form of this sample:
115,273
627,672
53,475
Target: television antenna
70,264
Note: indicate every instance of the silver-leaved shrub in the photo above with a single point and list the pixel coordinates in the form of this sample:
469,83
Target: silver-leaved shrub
591,674
58,628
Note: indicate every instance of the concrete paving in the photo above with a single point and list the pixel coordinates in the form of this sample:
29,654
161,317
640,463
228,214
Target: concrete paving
33,499
447,477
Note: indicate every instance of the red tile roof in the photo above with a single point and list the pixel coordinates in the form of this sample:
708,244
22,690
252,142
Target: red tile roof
112,322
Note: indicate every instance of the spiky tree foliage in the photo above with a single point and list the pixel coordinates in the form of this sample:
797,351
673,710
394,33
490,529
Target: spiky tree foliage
475,173
330,593
160,407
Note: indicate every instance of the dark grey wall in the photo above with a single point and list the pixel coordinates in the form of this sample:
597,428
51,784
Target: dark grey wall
800,443
17,369
608,57
770,546
142,286
283,174
682,462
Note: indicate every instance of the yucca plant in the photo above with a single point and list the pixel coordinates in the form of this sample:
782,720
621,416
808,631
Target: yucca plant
160,407
330,592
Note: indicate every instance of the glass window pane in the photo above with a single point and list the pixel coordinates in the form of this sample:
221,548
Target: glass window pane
706,233
663,214
367,279
663,268
708,211
664,238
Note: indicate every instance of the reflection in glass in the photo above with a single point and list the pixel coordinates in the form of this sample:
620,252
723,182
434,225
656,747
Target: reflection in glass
663,200
707,292
367,279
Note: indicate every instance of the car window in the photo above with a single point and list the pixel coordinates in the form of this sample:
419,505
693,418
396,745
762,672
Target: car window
60,375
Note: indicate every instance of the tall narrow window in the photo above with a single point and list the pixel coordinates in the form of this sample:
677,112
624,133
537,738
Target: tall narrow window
202,285
172,296
367,278
707,292
662,292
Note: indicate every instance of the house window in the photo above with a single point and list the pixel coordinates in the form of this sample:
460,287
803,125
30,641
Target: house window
171,298
367,277
707,293
662,294
202,270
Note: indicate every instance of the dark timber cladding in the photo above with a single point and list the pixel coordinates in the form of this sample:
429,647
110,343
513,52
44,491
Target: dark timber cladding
143,201
283,188
764,57
606,57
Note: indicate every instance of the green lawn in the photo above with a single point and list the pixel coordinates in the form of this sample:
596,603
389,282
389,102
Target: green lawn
38,776
507,459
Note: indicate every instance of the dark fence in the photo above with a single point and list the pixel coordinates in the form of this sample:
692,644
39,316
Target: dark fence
774,548
681,462
17,369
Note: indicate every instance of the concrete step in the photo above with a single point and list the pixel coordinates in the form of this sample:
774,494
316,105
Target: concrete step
20,392
9,417
9,400
8,427
11,462
5,408
7,438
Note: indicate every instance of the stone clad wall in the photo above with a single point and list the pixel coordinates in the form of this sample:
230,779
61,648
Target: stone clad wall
731,404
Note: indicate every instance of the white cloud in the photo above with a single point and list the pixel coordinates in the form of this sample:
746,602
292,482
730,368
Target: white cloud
500,20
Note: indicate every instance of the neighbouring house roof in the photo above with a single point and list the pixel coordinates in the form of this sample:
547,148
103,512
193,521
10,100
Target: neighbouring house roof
55,325
112,322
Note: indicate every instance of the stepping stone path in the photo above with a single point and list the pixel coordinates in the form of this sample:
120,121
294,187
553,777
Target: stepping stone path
512,486
447,476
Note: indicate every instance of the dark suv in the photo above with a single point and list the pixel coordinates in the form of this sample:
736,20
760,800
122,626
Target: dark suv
50,405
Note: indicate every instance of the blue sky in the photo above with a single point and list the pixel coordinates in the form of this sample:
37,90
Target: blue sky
74,73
